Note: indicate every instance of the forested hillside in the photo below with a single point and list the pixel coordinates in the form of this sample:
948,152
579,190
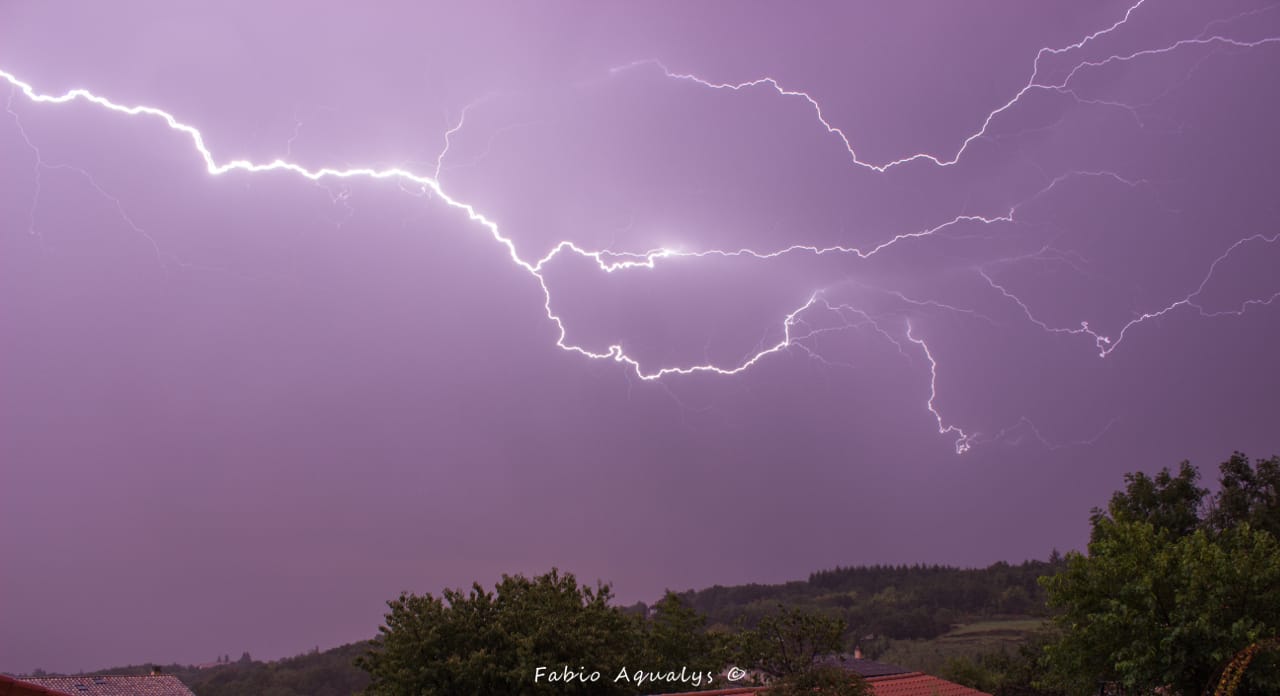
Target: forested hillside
897,602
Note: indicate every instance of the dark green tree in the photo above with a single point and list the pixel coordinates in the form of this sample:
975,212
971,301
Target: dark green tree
799,651
676,637
1170,503
481,642
790,641
1164,598
1248,494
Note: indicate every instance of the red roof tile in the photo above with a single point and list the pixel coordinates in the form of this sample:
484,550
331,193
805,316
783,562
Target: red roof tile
139,685
919,684
16,687
904,684
732,691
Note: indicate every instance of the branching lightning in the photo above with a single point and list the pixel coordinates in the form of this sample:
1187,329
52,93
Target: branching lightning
432,185
1106,344
794,331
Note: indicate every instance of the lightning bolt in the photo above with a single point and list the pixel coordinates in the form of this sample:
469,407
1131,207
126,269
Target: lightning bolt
432,185
1032,85
773,84
1106,344
792,325
963,440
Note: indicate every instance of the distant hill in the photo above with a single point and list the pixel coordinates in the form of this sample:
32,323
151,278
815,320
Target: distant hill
891,602
327,673
898,610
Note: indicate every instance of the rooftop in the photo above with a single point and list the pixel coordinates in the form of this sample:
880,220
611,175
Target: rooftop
918,684
900,683
132,685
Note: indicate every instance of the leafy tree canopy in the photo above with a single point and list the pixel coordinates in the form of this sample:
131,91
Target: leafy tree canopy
1170,503
482,642
1249,494
790,641
798,651
676,637
550,635
1172,588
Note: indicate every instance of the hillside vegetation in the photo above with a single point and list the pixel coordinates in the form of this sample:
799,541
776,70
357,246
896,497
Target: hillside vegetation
883,604
317,673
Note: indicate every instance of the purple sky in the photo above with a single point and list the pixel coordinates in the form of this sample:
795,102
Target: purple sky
239,411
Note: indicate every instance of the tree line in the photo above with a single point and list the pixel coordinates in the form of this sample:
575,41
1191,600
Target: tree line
897,602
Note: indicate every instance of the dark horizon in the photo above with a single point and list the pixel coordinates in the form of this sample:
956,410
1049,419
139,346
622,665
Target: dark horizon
664,295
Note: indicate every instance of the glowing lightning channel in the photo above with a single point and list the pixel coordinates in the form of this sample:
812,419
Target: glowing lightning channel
432,184
1032,84
448,140
1103,343
1106,344
610,261
963,440
213,167
840,134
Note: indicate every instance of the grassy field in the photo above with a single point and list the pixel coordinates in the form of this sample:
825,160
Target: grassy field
965,640
1017,627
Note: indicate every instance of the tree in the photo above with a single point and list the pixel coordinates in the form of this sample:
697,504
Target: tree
1248,494
1165,598
797,649
677,637
546,635
790,641
1169,503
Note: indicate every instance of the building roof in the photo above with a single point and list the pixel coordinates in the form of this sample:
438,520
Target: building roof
896,684
114,685
918,684
732,691
16,687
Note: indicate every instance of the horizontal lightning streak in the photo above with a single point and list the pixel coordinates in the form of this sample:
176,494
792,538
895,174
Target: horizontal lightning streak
1106,344
213,167
840,134
1031,85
